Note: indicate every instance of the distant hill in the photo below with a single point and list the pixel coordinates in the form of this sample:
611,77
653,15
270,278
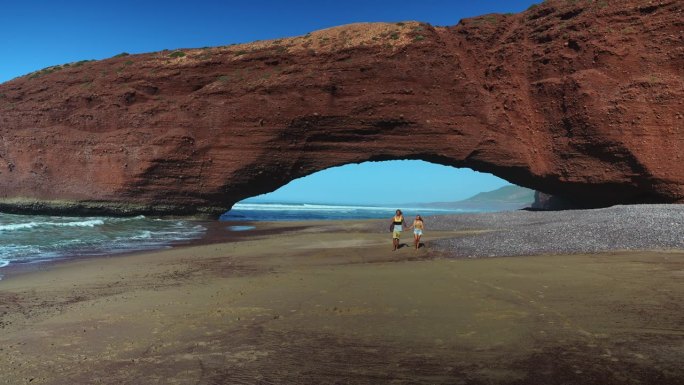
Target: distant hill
509,197
505,194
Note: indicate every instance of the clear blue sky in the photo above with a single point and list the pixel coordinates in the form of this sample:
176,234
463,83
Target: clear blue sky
35,34
391,182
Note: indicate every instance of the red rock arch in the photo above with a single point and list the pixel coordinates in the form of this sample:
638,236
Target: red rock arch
562,98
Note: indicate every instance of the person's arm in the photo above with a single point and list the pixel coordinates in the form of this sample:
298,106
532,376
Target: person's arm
412,225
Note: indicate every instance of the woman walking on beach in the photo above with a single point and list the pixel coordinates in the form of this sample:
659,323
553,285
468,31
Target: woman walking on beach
418,226
396,227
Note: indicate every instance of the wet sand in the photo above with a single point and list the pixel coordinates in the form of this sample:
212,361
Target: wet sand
330,303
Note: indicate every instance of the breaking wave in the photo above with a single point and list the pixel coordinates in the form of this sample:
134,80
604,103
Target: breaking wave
28,239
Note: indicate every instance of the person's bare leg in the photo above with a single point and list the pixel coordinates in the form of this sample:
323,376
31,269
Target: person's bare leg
417,242
416,238
395,243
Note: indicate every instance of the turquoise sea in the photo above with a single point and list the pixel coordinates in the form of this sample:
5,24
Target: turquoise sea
277,211
36,238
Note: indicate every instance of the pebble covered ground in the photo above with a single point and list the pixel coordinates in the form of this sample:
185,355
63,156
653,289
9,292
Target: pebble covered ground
633,227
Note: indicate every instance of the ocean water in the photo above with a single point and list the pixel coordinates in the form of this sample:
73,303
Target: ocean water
34,238
260,211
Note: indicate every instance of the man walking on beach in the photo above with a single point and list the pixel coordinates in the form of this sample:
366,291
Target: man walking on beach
396,227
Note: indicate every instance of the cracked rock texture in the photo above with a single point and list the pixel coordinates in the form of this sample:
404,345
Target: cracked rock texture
578,99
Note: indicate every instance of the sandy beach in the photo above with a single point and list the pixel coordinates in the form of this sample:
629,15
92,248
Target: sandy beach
330,303
205,193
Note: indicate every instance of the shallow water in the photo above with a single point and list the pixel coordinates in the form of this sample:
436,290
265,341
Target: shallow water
37,238
241,228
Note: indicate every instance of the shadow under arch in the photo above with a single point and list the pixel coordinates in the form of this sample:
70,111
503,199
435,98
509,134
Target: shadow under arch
570,194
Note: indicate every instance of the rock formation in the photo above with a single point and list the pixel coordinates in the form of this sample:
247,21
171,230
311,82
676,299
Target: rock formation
580,99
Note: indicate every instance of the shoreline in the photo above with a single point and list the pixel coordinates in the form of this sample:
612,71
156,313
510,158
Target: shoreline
634,228
217,233
328,301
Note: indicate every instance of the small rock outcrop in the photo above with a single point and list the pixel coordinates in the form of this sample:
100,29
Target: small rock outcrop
579,99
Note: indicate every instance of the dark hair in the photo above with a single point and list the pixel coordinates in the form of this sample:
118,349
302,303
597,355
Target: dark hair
399,211
418,217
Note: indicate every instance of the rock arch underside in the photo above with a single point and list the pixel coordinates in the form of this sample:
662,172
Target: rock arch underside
578,99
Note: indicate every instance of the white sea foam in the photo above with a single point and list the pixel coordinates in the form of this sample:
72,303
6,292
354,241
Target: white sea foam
322,207
88,223
18,226
126,219
33,239
31,225
144,234
301,207
8,250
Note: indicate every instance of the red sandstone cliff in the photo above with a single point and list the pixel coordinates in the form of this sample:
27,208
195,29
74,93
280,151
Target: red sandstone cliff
581,99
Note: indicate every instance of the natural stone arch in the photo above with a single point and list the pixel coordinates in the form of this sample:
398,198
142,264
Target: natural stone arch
585,113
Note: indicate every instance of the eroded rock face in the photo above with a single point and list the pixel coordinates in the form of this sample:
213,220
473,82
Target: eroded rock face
579,99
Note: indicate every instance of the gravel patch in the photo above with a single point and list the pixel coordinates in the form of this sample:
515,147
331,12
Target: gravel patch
633,227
